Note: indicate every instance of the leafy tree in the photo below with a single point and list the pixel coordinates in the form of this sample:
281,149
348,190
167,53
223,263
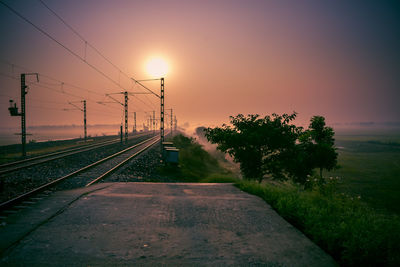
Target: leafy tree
300,165
261,145
273,145
324,155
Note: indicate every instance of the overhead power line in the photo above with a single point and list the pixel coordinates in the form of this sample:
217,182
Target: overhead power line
83,59
41,85
59,43
59,82
94,48
49,86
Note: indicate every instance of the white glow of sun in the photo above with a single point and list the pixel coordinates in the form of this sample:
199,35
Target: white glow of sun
157,67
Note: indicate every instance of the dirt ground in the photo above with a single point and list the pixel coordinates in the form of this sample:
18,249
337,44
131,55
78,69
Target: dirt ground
135,224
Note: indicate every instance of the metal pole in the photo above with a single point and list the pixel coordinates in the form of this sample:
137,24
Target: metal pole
84,118
154,122
175,124
171,122
120,133
126,116
162,111
134,119
23,121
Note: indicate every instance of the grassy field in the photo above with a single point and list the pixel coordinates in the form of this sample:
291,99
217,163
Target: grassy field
354,233
195,164
350,231
370,167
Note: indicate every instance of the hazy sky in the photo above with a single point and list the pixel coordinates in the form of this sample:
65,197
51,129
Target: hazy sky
339,59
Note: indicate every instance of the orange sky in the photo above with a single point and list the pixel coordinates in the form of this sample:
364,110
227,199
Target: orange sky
339,60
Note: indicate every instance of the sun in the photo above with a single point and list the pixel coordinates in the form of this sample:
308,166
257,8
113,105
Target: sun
157,67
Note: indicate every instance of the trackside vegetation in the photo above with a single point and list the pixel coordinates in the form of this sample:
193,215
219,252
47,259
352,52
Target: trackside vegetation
351,232
195,164
273,146
346,228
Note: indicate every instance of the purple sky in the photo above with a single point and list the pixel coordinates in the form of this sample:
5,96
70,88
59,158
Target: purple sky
339,59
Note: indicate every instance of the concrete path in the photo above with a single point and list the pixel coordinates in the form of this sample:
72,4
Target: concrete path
135,224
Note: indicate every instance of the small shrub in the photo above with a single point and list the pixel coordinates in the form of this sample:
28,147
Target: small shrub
195,164
219,178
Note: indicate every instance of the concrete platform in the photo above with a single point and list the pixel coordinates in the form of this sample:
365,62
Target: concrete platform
135,224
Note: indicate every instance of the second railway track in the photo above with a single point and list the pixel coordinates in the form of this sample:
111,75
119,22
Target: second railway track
21,164
86,175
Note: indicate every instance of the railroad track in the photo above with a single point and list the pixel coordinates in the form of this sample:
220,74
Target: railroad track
89,174
21,164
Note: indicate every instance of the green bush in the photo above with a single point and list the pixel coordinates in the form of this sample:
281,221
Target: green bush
354,234
195,164
347,229
219,178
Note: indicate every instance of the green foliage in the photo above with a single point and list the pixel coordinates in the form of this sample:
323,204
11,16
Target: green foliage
352,233
324,155
195,163
274,146
220,178
260,145
370,168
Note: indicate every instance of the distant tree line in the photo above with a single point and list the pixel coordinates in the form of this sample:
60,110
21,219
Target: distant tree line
274,146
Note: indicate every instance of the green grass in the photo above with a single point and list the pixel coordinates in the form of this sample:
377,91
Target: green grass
370,168
354,234
195,164
349,228
219,178
376,134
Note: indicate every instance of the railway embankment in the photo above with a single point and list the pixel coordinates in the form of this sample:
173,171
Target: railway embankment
345,228
24,178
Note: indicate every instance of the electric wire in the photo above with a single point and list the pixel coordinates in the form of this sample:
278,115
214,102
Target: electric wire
60,83
76,55
46,108
95,49
40,85
61,44
3,95
142,101
46,101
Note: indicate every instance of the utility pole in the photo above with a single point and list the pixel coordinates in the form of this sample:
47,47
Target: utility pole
175,123
125,105
162,111
84,115
126,116
171,121
14,110
23,113
84,119
134,121
161,96
120,133
154,122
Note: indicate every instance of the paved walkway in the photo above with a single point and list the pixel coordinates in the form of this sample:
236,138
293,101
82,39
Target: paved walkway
154,224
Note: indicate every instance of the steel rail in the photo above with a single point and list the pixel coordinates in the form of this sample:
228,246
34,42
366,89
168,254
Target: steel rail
121,163
53,156
55,153
24,196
